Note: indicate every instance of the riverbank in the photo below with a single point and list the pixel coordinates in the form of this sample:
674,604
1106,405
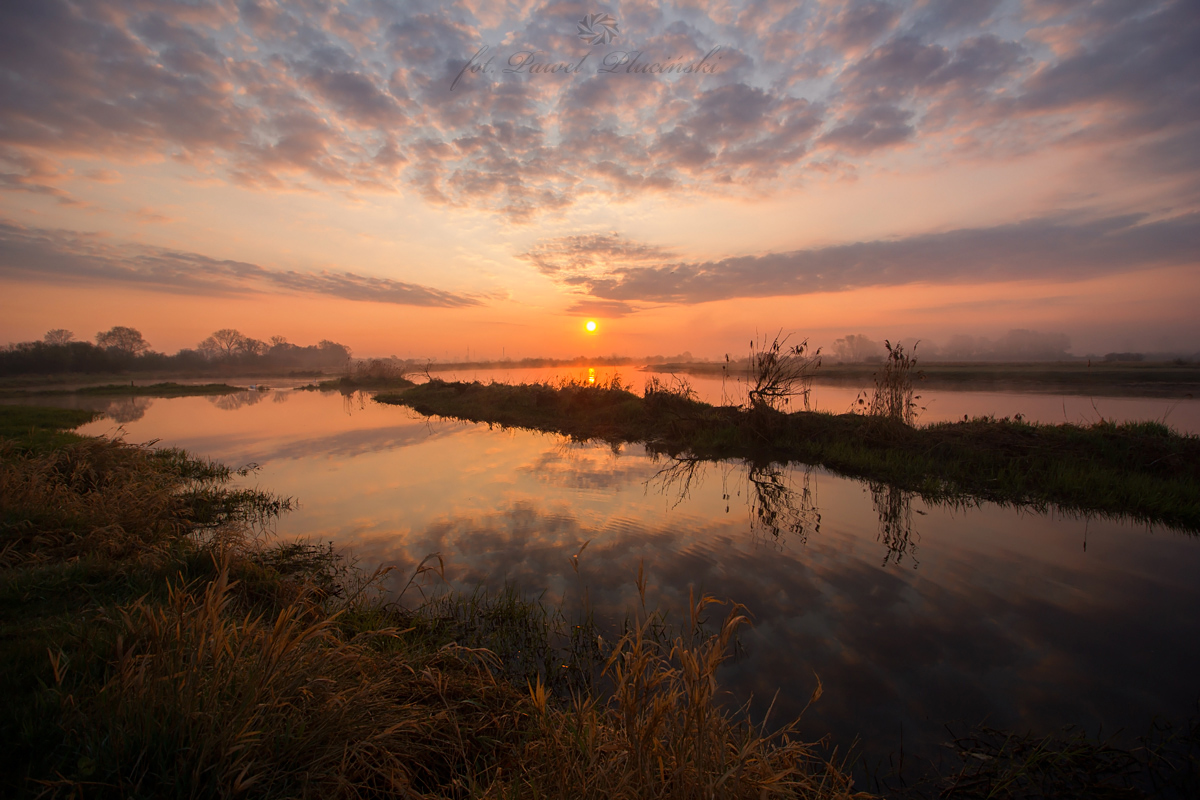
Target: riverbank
1100,378
157,642
1140,470
131,389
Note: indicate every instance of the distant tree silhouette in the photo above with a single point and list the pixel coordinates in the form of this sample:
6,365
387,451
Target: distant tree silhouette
224,342
122,349
856,347
125,340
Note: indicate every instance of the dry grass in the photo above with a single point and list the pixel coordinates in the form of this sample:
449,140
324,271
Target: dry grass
199,700
199,703
893,396
664,732
116,500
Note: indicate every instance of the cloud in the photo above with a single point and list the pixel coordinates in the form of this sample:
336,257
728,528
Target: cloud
357,95
861,23
601,308
42,254
573,257
1048,249
33,173
576,260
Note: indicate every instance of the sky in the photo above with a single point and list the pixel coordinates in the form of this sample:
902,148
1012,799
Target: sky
479,178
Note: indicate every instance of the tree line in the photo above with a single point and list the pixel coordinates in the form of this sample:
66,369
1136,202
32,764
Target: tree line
125,349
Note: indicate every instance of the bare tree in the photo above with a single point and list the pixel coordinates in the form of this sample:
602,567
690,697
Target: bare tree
58,336
126,340
224,342
252,347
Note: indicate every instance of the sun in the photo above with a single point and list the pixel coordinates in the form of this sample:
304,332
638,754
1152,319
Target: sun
590,325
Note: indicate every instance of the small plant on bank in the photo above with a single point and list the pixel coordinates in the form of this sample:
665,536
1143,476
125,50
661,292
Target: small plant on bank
778,373
893,396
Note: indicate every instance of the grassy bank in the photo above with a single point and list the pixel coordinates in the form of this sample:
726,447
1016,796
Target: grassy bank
167,389
369,375
1099,378
156,643
39,427
1142,470
347,384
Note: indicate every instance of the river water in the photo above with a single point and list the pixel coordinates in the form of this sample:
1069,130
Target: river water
913,616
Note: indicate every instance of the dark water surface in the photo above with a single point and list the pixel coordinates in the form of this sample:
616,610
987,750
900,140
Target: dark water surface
913,616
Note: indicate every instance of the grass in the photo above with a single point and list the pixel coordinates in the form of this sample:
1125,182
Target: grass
1140,470
372,374
28,427
1099,378
167,389
157,643
893,396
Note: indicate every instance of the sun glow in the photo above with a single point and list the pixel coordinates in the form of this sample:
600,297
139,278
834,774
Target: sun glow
590,325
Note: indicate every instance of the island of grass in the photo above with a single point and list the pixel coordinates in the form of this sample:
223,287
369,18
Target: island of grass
1141,470
351,383
166,389
369,375
1100,378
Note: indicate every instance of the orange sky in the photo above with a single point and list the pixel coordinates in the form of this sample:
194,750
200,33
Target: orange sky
914,171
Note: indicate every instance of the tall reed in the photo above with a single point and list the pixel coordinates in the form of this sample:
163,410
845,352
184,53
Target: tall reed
893,396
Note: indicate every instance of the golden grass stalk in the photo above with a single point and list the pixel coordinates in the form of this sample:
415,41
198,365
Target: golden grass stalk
664,733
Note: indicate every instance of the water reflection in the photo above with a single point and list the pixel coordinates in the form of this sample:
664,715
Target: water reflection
232,402
1011,634
894,507
777,509
569,465
128,409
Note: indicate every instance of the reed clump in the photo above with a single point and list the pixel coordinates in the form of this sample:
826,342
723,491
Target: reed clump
373,373
894,396
110,498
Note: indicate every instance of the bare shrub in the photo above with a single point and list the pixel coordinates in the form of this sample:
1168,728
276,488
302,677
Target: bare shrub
378,369
779,373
